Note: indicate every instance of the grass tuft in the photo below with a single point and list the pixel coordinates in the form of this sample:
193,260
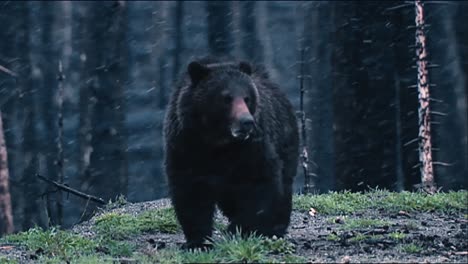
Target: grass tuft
397,235
235,248
411,248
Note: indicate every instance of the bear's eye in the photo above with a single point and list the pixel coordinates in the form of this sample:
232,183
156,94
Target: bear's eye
246,100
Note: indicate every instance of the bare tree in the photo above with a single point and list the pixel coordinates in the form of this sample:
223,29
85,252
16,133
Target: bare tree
425,141
6,218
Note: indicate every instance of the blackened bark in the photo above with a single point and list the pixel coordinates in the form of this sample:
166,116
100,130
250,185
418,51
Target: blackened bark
363,97
220,39
179,37
450,133
108,164
33,210
319,44
251,46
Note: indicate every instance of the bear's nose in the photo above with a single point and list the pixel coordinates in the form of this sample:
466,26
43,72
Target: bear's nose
246,123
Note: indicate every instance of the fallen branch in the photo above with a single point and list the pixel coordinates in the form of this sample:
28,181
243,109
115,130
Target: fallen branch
72,191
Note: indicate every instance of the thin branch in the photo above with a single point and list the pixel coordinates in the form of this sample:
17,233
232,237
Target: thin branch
72,191
7,71
398,7
438,113
411,141
442,163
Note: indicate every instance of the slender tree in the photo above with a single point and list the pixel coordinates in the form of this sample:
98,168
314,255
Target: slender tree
424,114
6,217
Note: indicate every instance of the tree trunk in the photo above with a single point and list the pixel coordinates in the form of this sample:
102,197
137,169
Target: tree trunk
425,141
10,110
6,217
33,211
108,161
251,46
449,139
220,39
86,102
179,37
319,26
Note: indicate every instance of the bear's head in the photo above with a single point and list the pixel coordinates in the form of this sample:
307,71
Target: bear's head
223,101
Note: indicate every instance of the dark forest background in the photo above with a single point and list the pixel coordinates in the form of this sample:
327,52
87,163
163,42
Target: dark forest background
107,68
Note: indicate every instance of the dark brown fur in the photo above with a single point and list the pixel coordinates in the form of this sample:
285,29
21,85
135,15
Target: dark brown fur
251,180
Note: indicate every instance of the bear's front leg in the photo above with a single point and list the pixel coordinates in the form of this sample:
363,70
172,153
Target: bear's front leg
194,207
262,209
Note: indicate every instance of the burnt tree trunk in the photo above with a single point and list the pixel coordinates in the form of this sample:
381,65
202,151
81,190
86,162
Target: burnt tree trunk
108,161
86,102
251,45
6,217
449,139
318,25
425,141
33,213
48,108
220,39
179,37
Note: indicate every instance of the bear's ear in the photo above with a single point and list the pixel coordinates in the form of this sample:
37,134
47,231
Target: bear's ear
197,71
245,67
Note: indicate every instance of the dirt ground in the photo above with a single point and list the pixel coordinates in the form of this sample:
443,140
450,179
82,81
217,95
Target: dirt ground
369,237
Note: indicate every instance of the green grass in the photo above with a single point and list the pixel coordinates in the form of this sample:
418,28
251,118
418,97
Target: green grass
53,242
347,202
4,260
88,259
114,231
397,235
333,237
232,248
121,226
411,248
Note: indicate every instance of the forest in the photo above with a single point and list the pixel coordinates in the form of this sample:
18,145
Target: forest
84,88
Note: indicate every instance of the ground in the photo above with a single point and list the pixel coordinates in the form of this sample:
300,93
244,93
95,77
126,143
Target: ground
373,227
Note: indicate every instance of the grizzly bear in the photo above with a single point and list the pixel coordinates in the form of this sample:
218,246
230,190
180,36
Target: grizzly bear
231,141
